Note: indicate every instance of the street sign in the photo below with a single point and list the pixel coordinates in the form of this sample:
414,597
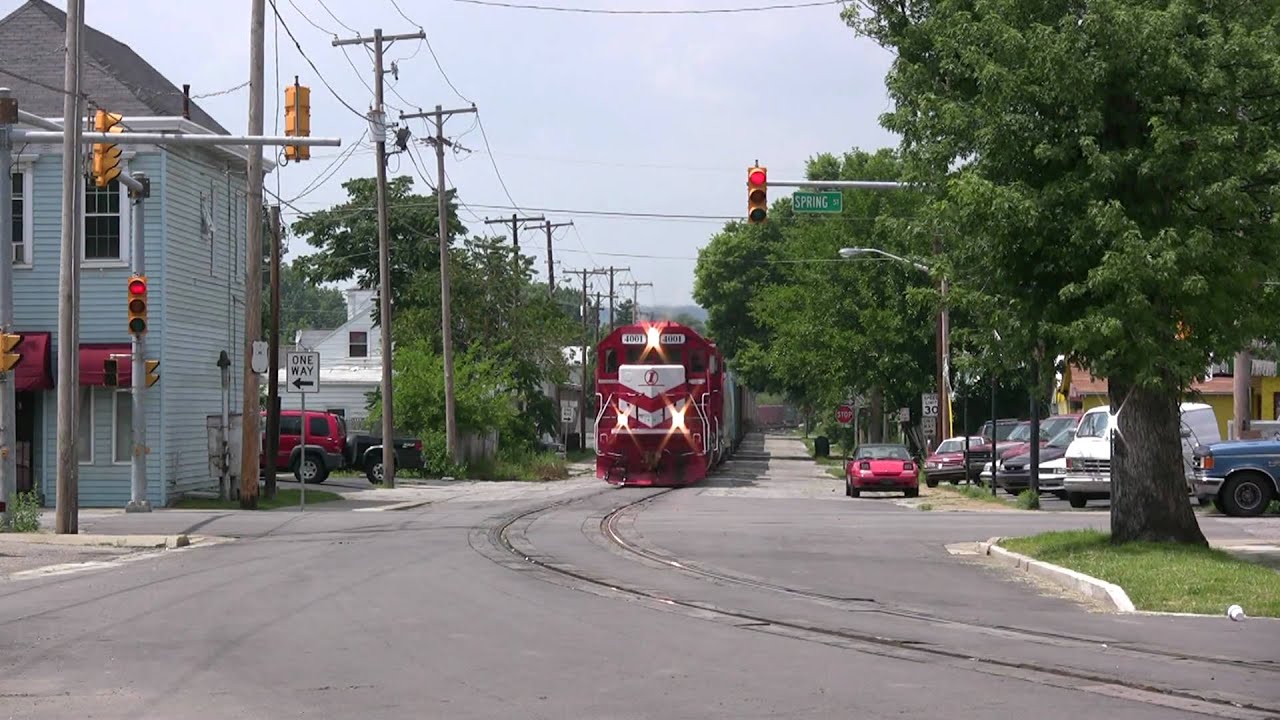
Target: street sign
929,403
304,372
930,425
844,415
904,415
805,201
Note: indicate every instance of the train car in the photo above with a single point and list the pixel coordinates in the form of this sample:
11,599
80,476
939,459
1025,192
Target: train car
668,409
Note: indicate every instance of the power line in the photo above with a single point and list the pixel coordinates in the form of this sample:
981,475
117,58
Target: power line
313,23
306,57
494,163
336,18
687,11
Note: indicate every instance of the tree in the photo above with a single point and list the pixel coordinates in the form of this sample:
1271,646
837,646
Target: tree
303,305
346,236
1112,168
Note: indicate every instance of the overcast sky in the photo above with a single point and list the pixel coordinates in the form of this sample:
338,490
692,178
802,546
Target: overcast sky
583,112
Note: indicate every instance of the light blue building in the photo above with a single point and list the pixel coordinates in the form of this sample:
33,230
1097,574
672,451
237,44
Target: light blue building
195,224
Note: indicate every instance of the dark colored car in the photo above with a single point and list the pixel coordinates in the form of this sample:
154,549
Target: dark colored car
1015,471
882,467
364,452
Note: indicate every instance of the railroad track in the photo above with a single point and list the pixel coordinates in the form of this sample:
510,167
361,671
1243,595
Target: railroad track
504,541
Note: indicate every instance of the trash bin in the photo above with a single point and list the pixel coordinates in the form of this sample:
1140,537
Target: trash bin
821,446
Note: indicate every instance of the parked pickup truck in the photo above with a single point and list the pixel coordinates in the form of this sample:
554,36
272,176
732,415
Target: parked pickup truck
1239,476
330,447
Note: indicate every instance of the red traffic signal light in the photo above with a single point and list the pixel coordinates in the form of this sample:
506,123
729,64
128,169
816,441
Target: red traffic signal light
757,194
138,304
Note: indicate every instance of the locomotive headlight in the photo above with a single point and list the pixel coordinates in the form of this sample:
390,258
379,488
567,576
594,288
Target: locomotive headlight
622,419
677,417
653,337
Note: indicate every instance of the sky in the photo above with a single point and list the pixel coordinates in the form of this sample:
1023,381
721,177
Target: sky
585,113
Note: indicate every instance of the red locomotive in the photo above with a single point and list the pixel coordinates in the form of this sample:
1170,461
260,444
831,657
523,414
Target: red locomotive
668,409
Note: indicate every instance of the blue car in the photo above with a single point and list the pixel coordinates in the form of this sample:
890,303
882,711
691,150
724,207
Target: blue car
1239,476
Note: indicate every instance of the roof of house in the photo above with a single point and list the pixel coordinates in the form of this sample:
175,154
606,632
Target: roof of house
1083,383
115,77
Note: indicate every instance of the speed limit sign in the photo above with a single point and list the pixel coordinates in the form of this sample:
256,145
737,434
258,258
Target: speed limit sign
929,404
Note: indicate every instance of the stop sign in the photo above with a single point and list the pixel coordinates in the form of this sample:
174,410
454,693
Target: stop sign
844,414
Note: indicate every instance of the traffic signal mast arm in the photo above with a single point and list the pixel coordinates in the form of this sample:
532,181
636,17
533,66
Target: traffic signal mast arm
138,138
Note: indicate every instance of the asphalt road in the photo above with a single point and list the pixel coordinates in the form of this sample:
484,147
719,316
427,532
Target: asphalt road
785,600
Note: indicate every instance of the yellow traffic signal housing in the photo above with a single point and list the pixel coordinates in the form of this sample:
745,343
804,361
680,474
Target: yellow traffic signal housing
297,120
8,358
757,194
138,304
111,372
106,156
153,372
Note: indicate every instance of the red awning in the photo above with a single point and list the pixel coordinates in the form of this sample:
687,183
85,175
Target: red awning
35,370
92,356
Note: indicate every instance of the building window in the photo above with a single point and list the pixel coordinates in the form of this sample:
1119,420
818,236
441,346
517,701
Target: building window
103,222
122,427
357,344
19,219
86,426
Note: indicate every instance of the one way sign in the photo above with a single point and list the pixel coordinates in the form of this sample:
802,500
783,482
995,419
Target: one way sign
304,372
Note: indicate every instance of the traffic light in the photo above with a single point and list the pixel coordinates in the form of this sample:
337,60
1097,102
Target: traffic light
8,358
153,372
111,372
757,195
106,156
297,120
138,304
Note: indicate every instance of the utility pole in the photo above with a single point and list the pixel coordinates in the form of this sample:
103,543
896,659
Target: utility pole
68,480
612,271
582,404
515,221
596,318
273,361
251,406
551,266
446,319
378,128
635,304
1241,407
8,396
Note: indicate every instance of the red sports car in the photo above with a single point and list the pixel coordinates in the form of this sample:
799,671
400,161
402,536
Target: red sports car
881,468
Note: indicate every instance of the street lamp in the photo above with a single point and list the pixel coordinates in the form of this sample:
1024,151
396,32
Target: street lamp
944,333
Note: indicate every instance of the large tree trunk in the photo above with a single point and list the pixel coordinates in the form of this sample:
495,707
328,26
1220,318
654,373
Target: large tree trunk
875,427
1148,488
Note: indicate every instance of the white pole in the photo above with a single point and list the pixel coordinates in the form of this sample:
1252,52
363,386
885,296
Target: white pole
302,460
138,463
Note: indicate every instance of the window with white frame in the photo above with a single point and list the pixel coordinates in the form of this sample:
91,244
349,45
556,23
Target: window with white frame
122,427
104,222
86,426
21,226
357,344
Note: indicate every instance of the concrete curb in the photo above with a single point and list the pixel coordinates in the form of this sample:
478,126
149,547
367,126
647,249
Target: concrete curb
86,539
1108,594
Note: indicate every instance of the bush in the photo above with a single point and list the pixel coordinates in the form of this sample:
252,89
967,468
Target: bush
520,464
435,457
25,513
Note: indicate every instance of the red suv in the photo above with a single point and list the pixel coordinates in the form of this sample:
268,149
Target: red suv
326,444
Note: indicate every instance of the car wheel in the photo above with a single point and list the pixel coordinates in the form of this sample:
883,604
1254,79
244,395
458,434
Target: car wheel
931,482
1077,500
1015,491
373,472
1060,494
1246,495
855,492
912,492
311,470
848,489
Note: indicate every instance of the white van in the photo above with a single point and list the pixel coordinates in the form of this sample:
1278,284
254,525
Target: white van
1088,458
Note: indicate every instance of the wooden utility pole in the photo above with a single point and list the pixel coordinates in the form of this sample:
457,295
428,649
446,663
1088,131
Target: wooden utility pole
551,265
273,366
1241,392
596,318
612,272
635,303
582,399
446,294
378,121
251,405
515,222
68,481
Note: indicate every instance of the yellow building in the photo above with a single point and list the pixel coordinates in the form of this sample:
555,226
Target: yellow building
1087,392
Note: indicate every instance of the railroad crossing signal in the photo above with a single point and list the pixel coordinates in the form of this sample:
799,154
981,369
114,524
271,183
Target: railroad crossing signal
111,372
297,119
153,372
106,156
138,304
8,358
757,194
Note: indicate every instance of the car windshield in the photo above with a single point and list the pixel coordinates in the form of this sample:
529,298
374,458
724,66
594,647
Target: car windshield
1063,439
1020,433
882,452
950,446
1052,428
1094,425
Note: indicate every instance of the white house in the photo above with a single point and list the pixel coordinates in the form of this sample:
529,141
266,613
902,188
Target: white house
350,362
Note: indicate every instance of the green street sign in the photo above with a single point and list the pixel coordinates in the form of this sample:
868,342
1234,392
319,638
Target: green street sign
804,201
